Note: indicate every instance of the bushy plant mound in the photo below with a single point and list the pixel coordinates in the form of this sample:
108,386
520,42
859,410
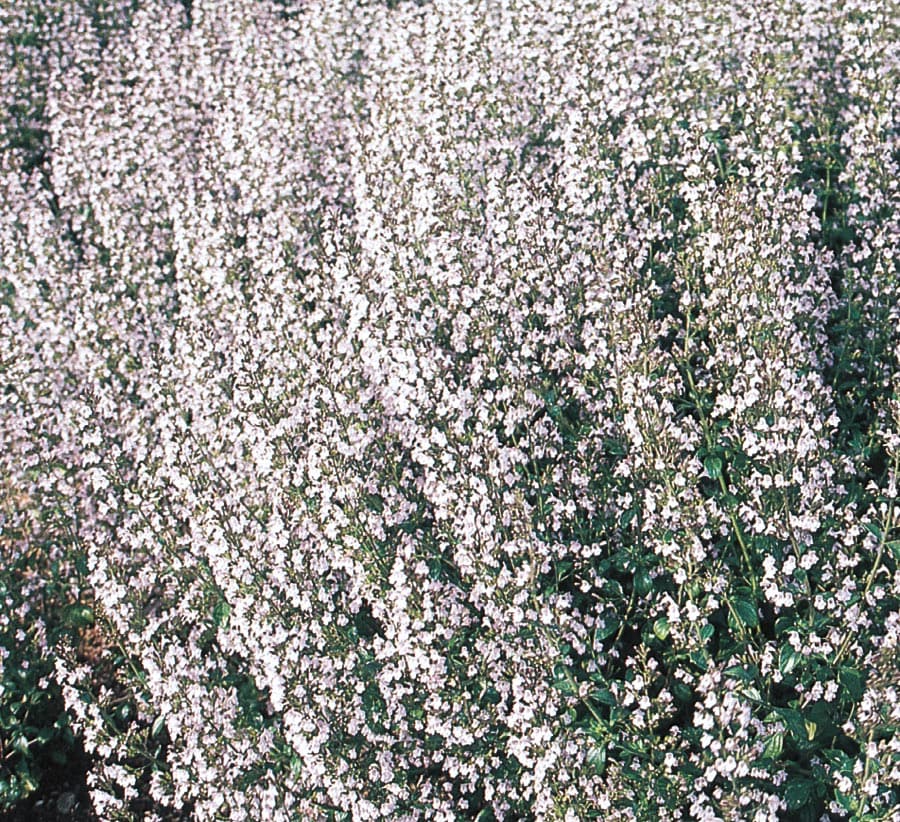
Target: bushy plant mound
467,409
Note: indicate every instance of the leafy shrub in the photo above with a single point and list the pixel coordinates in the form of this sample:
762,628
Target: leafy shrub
463,410
40,609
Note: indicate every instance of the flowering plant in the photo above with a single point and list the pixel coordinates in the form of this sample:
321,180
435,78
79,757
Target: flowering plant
456,410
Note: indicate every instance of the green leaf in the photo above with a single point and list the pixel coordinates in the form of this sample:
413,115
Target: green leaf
627,517
713,466
491,696
613,588
739,461
80,616
799,793
562,681
808,814
752,693
221,614
158,724
739,672
745,612
661,628
435,567
681,692
788,659
615,447
795,723
774,745
608,628
783,625
700,658
604,696
840,761
643,582
707,631
597,758
852,682
845,801
563,569
374,503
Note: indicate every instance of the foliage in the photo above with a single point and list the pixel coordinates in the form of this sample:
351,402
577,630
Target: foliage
41,607
453,410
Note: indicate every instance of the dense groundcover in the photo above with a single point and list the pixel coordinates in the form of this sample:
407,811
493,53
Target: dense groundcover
467,409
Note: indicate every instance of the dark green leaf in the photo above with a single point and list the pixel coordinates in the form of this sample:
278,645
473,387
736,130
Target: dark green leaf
608,627
661,628
491,696
774,745
795,723
562,681
604,696
788,659
840,761
681,691
799,793
713,466
739,672
643,582
80,616
846,802
700,658
853,682
613,588
597,758
221,614
746,612
783,625
627,517
808,814
374,503
875,529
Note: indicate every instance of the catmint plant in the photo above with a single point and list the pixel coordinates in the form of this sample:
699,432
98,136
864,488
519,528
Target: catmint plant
451,410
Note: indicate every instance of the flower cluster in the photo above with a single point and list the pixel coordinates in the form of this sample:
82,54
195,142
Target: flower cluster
473,409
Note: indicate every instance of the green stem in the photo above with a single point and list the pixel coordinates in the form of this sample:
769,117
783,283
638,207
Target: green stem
710,442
